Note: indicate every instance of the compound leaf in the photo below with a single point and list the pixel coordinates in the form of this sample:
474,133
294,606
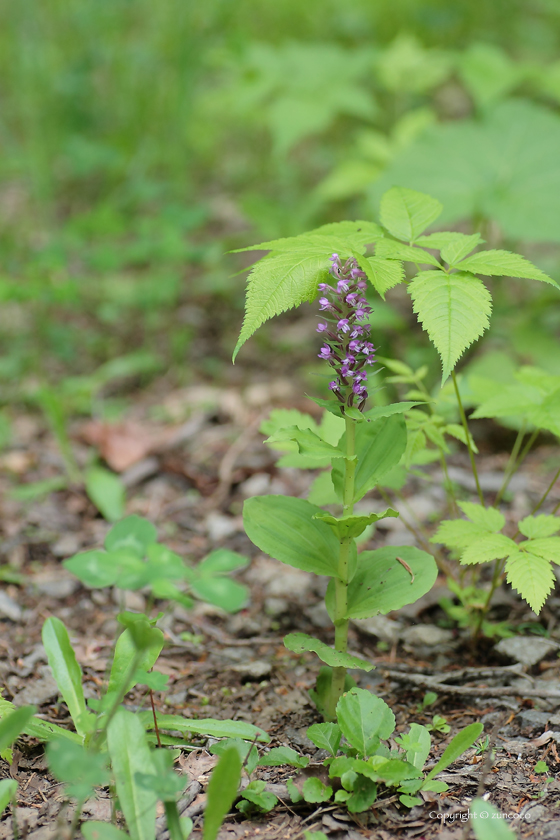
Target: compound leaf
407,213
454,309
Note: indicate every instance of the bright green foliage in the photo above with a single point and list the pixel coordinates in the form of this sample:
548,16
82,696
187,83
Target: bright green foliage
364,719
535,398
80,769
284,528
491,826
107,492
528,563
222,790
278,756
406,213
502,264
391,250
325,736
299,642
8,789
66,671
467,166
315,791
383,274
290,274
133,560
256,798
129,751
97,830
454,309
382,583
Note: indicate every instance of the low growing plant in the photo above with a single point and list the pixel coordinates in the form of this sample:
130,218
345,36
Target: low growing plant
453,306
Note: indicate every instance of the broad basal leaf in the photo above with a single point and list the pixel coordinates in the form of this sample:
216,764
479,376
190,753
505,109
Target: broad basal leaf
382,274
386,579
503,264
454,309
532,576
278,283
407,213
364,718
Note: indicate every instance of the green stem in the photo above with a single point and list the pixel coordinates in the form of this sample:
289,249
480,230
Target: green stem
341,581
545,495
526,449
496,580
173,821
468,437
510,468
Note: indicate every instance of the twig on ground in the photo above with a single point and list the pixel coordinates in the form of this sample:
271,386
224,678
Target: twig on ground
435,684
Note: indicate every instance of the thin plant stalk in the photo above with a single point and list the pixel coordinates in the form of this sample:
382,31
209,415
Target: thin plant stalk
341,581
467,435
545,494
511,464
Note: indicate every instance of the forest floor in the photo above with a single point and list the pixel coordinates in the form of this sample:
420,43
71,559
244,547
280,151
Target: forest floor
189,474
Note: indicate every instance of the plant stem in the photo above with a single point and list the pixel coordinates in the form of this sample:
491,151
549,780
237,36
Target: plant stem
173,821
545,495
496,579
467,435
341,581
510,467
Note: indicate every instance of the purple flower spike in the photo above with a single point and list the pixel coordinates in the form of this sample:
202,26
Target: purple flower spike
348,350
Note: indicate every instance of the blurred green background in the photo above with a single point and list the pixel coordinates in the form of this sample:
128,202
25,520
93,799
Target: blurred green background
141,141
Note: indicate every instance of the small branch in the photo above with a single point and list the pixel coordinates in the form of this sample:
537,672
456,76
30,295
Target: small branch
472,691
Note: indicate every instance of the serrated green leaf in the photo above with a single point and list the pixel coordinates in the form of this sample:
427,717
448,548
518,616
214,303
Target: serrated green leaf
382,274
364,719
488,518
417,745
458,533
536,527
330,237
458,248
300,642
407,213
458,432
531,576
353,526
546,547
503,264
490,547
364,794
280,282
446,238
388,249
284,528
454,309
